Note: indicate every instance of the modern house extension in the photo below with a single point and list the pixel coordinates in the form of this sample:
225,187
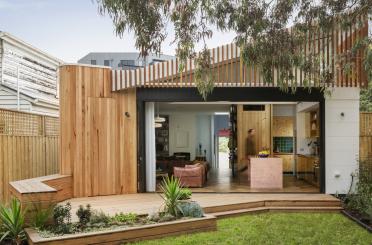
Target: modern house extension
122,131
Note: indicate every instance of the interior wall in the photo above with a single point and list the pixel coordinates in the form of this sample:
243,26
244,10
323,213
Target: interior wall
258,120
284,110
98,132
195,127
182,133
203,135
220,122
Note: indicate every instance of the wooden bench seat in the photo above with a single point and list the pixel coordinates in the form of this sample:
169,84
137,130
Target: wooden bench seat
51,188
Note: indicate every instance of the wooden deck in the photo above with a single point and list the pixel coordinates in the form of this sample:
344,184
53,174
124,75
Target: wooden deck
211,202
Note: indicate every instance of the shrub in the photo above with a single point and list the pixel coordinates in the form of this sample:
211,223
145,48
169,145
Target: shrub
154,217
128,218
361,199
12,221
185,194
166,217
191,209
100,218
171,189
84,215
40,216
62,219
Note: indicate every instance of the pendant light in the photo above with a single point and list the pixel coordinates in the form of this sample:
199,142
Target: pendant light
158,125
159,119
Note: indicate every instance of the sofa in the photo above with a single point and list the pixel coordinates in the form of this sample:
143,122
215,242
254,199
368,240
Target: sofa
191,175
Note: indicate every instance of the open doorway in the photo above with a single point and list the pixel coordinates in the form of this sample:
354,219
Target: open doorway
206,146
223,150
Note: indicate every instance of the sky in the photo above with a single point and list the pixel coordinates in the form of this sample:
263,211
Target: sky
70,29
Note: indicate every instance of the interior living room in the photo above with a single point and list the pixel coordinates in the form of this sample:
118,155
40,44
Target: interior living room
238,147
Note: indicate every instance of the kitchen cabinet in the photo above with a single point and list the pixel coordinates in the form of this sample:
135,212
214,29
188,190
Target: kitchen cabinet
287,162
308,169
283,126
312,124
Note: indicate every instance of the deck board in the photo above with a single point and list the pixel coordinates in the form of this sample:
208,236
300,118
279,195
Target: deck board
151,202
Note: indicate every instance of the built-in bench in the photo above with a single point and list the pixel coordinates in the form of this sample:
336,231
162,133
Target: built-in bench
46,190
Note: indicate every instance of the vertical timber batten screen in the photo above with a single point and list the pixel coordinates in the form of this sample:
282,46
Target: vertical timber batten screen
229,71
28,147
366,141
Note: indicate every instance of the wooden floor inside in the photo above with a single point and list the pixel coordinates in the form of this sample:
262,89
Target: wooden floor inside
144,203
221,181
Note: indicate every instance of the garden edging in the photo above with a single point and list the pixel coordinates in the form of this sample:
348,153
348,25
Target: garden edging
123,235
356,220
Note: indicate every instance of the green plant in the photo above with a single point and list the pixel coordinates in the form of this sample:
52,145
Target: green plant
12,221
277,228
360,199
262,35
62,219
41,215
171,188
129,218
165,217
100,218
185,194
191,209
84,215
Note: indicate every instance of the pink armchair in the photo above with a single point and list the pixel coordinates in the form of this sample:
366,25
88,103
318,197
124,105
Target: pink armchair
190,175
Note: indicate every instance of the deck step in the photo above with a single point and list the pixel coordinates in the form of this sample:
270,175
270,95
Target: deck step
277,209
296,203
278,204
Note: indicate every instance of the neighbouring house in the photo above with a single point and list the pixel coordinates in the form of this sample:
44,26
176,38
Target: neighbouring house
122,61
28,78
122,131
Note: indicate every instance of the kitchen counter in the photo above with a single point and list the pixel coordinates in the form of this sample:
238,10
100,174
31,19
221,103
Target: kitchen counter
309,155
282,153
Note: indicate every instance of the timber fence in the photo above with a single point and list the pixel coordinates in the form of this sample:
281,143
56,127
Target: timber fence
28,147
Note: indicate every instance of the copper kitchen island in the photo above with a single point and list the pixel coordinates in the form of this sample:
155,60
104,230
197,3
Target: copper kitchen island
266,173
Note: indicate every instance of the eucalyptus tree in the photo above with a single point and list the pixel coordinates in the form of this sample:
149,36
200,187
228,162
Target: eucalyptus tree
261,28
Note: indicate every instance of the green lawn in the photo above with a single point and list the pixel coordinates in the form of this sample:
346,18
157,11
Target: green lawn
278,228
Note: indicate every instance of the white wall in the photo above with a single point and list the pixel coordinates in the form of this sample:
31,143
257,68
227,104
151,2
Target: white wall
341,138
9,101
283,110
198,128
203,134
185,122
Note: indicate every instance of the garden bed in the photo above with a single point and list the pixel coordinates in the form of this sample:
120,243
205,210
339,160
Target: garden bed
356,217
128,234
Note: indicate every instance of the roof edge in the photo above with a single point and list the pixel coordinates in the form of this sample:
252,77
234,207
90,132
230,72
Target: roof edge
18,42
85,65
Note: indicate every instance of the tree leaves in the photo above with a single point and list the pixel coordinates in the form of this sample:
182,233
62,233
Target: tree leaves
261,29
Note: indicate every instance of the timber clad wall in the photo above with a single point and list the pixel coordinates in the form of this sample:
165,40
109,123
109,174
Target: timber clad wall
28,147
366,142
365,135
98,141
258,120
